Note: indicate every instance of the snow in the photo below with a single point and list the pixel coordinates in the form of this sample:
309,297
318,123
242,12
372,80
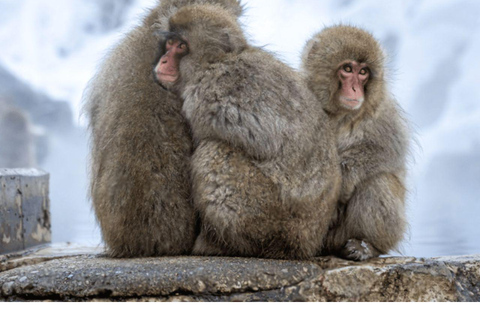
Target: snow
56,45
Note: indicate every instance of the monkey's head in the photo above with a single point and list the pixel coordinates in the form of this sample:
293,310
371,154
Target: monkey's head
344,68
199,35
233,6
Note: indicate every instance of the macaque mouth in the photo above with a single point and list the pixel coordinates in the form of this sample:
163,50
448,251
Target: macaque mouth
168,77
352,104
352,100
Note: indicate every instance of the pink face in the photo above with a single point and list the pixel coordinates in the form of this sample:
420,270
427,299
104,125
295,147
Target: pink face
353,76
167,70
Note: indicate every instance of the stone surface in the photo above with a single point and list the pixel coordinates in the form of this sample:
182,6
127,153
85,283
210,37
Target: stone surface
24,209
80,274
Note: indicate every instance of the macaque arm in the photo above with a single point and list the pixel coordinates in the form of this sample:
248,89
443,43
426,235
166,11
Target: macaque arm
257,133
357,162
252,125
370,157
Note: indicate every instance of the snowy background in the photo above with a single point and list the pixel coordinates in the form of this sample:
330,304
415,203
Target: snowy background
54,46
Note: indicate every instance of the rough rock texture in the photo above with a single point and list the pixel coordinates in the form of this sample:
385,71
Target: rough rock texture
59,274
24,209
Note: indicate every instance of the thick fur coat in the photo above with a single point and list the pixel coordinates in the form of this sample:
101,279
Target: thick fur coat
141,147
372,144
265,172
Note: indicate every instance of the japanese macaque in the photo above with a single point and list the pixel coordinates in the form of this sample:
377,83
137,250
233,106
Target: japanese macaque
344,68
141,147
265,171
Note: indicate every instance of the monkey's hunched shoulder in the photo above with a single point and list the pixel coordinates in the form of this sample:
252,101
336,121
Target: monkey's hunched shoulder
229,102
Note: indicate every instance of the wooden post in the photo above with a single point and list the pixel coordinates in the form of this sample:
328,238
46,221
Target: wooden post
24,209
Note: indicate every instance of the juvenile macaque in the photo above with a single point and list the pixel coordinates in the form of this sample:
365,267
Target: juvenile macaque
344,68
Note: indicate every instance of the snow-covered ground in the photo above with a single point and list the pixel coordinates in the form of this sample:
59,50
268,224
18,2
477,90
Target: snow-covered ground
55,46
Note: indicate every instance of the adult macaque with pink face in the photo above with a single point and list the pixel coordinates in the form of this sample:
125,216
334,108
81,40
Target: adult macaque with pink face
344,68
167,70
265,172
141,144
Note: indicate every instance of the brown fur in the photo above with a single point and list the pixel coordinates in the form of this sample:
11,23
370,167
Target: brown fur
262,184
141,147
372,144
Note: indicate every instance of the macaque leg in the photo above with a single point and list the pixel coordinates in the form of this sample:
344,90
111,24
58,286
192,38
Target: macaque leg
239,208
205,245
373,222
219,173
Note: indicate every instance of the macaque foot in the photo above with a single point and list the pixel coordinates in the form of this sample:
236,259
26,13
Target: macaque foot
205,247
358,250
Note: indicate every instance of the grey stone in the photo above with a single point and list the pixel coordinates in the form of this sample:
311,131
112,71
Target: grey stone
60,274
24,209
11,219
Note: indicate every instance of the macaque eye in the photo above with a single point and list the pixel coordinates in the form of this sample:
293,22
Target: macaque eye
364,72
183,46
170,42
348,68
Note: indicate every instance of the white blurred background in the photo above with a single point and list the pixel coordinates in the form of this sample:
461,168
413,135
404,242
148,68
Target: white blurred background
49,49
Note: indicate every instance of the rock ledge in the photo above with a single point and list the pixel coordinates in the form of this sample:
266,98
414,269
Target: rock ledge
68,273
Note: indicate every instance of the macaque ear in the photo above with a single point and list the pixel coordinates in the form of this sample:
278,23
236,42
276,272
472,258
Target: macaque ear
314,47
227,43
231,43
310,50
157,29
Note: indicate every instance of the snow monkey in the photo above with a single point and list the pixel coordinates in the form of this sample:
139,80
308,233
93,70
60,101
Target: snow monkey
141,147
344,67
265,171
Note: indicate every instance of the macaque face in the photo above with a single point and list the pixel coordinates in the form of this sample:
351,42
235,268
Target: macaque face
167,70
353,78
